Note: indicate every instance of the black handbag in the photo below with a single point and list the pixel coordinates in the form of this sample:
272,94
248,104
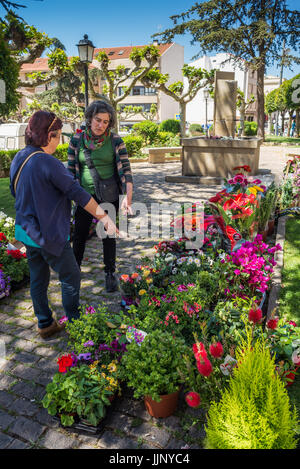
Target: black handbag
107,190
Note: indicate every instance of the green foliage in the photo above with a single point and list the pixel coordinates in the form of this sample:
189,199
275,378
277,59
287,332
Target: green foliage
134,144
250,128
170,125
254,411
100,326
81,391
151,368
195,128
147,130
6,157
266,206
61,152
9,73
167,139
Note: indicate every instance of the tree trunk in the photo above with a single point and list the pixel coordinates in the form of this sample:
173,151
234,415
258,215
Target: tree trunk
260,102
297,123
290,123
182,119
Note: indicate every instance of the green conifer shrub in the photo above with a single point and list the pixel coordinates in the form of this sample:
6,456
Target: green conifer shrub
254,411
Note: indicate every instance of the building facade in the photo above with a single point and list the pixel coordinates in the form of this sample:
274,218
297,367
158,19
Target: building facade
246,82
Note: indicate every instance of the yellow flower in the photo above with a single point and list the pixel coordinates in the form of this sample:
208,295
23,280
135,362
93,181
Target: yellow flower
142,292
146,273
258,188
112,367
149,280
252,190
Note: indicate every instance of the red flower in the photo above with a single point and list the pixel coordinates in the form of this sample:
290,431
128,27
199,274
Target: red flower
193,399
199,350
15,253
216,350
64,363
245,168
272,323
255,315
3,237
204,366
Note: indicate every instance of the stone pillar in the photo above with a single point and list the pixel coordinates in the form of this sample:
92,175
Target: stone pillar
225,104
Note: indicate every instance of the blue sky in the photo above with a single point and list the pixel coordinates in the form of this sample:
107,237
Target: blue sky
115,23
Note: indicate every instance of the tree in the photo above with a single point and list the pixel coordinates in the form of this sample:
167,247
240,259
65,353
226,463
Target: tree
252,30
126,112
143,60
9,73
197,78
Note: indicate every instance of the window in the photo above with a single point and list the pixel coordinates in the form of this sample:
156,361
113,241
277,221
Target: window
2,142
150,91
111,52
138,91
121,52
10,143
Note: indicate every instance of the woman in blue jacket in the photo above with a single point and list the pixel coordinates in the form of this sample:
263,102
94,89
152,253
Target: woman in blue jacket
44,189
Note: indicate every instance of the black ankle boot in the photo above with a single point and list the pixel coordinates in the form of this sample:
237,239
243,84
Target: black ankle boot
111,283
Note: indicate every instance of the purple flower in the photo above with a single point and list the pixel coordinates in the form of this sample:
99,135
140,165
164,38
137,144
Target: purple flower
90,310
182,288
85,356
89,343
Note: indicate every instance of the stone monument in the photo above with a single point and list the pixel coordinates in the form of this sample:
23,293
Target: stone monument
225,96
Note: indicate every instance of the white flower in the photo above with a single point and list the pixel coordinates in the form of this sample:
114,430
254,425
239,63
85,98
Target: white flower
197,261
174,271
190,260
228,365
184,274
296,357
296,343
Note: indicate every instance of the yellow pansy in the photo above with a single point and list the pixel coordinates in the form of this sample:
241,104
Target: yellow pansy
146,273
142,292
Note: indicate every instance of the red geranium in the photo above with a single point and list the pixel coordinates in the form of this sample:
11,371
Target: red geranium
204,366
64,363
216,350
3,237
16,253
193,399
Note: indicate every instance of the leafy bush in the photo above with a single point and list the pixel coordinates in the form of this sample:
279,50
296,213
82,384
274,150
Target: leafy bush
170,125
250,128
195,128
254,411
147,130
61,152
133,143
167,139
6,157
151,368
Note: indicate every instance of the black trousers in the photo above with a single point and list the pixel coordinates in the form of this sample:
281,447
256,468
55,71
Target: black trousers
83,221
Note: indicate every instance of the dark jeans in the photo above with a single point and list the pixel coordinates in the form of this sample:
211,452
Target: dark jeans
66,266
83,221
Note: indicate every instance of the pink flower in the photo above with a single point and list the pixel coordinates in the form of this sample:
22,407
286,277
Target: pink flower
255,315
63,319
204,366
292,323
296,357
193,399
216,350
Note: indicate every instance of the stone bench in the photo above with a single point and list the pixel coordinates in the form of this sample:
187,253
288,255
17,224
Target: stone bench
158,154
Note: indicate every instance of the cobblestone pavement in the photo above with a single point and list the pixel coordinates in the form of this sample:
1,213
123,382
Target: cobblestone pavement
31,362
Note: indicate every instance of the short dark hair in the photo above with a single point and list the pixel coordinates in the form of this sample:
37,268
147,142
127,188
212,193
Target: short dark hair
100,107
40,126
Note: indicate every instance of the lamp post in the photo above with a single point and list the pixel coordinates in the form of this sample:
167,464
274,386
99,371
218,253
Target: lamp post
86,51
206,96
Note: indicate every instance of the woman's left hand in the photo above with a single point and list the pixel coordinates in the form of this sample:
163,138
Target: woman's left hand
126,206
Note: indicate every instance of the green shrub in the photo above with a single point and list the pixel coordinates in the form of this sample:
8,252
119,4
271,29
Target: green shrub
61,152
133,143
250,128
147,130
195,128
170,125
254,411
6,157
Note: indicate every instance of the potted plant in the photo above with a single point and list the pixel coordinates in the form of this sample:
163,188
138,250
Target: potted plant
81,391
151,368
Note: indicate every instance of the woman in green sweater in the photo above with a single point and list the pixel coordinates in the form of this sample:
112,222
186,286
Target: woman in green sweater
98,158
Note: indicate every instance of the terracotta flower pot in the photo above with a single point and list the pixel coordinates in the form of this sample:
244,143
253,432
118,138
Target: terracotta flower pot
271,224
164,408
264,235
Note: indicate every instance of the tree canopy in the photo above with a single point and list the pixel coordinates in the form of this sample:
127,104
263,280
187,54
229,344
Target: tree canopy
252,30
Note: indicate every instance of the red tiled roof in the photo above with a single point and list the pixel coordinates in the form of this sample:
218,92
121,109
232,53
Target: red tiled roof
41,64
124,52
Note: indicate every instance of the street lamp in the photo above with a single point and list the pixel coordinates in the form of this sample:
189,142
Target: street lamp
86,52
206,96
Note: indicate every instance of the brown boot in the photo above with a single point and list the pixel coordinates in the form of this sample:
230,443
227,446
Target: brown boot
51,330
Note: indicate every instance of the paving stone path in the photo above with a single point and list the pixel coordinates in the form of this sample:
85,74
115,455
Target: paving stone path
30,361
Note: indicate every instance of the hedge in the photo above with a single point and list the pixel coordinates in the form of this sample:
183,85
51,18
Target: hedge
170,125
133,144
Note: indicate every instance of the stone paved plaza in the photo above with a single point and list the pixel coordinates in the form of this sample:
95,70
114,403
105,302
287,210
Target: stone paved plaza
31,362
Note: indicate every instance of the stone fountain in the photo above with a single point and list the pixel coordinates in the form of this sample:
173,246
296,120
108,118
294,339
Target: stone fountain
209,160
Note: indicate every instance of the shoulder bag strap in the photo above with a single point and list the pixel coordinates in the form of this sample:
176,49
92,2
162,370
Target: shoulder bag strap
21,167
